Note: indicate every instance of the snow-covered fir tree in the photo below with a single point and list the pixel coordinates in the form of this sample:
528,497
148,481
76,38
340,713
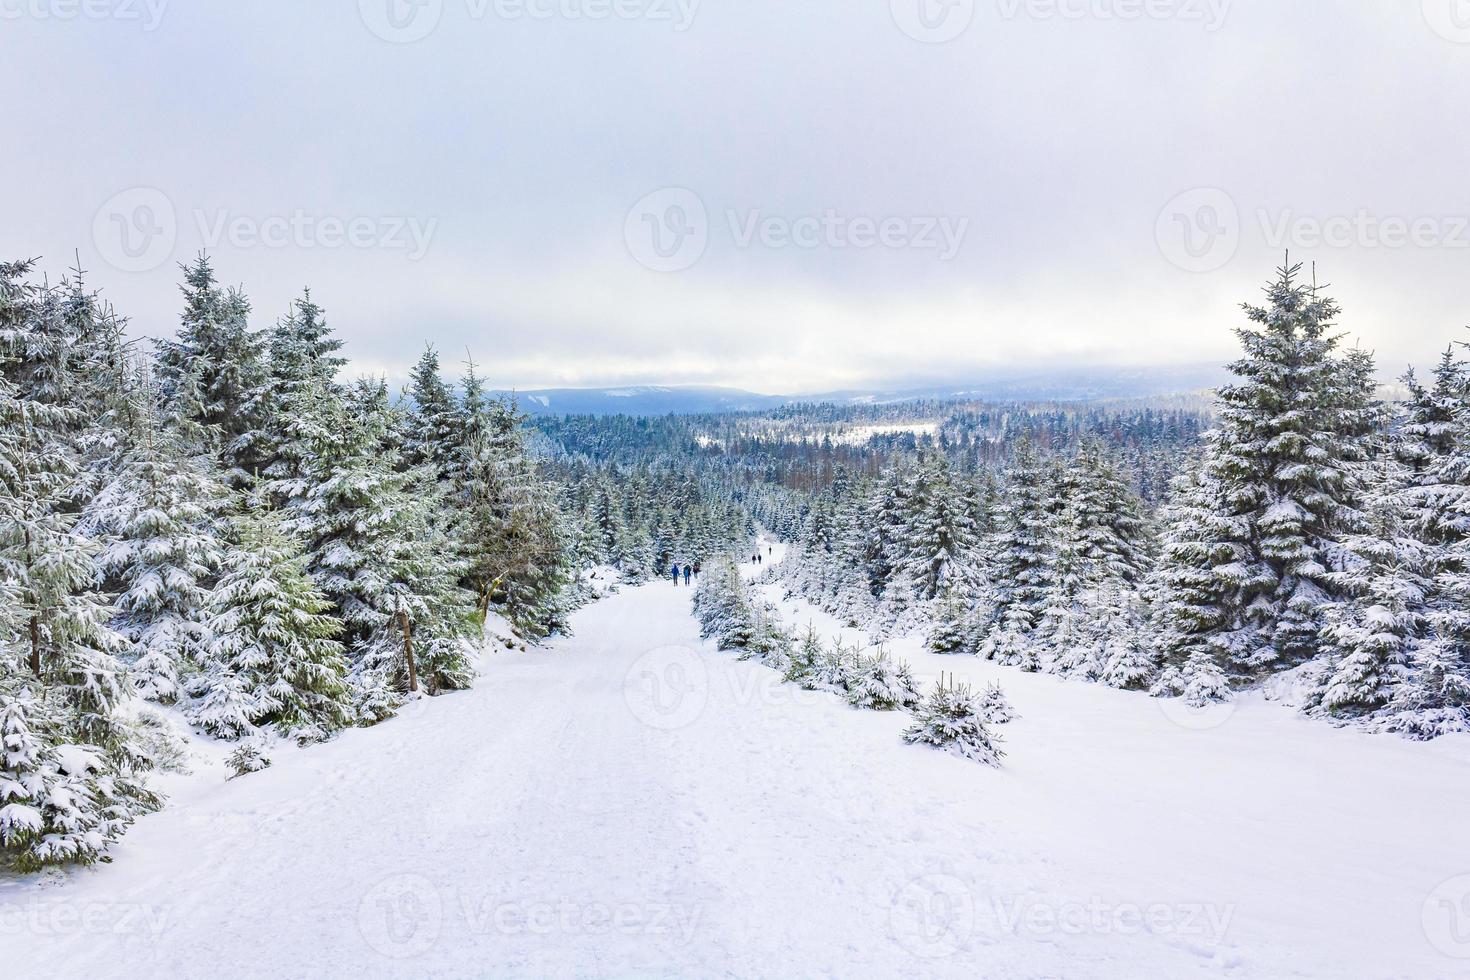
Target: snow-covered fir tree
952,718
215,371
1021,564
877,683
1288,434
159,517
272,653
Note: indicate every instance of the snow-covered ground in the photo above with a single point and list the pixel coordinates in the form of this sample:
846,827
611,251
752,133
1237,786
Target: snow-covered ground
631,802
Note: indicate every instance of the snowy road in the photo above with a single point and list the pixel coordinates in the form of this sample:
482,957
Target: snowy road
629,802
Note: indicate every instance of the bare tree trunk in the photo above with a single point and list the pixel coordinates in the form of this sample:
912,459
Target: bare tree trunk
413,671
489,595
36,645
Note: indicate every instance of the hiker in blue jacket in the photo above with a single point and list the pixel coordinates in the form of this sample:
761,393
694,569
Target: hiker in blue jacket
676,575
687,572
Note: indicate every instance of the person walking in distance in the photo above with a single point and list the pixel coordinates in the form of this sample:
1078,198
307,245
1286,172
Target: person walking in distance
687,572
676,574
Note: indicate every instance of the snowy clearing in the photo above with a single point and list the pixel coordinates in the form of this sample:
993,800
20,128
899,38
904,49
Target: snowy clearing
629,801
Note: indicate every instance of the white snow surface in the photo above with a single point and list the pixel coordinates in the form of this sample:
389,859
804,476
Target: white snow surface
629,802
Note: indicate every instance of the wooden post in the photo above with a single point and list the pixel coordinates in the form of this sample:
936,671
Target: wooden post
413,673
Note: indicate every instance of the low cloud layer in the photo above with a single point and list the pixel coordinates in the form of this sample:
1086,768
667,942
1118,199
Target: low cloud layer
782,197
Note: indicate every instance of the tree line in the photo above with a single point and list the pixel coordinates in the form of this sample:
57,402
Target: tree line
220,523
1317,530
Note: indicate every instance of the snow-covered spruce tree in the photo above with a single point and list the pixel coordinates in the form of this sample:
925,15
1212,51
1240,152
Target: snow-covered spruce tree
1021,564
1289,434
377,546
304,363
58,799
806,656
71,771
995,707
249,756
723,608
433,426
215,370
1192,605
768,640
879,684
1435,699
835,668
1119,639
1427,429
511,528
1385,575
939,534
159,517
952,718
271,634
1100,548
953,631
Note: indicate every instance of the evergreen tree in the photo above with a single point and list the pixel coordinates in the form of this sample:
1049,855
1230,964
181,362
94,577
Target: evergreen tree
71,775
273,653
304,363
1287,440
434,425
158,516
953,719
1021,561
1372,634
1192,606
215,371
939,534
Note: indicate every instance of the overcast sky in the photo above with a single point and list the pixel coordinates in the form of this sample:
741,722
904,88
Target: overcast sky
785,196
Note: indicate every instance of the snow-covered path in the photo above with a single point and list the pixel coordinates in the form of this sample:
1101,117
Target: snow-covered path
629,801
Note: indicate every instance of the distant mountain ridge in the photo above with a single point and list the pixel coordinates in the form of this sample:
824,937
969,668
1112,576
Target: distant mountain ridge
1062,385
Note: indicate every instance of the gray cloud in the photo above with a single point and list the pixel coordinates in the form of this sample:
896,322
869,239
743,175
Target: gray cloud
1124,180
